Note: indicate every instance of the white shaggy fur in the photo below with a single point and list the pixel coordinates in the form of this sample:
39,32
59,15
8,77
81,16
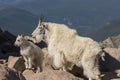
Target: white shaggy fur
32,54
68,49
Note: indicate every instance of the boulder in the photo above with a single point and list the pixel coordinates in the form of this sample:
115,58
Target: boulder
112,60
47,63
50,75
28,72
3,61
110,76
1,30
113,52
16,63
9,74
77,71
112,42
7,47
6,36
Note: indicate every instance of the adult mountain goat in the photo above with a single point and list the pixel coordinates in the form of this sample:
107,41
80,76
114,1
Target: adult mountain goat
68,48
31,53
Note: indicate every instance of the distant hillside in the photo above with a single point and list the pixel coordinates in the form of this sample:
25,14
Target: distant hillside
79,12
17,20
112,28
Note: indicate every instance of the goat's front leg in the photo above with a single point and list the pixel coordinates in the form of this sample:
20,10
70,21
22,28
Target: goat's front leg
38,69
26,62
29,63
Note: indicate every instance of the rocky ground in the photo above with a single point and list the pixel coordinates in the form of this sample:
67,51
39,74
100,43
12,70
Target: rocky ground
12,64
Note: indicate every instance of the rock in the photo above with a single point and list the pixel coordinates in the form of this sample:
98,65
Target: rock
45,52
116,79
7,47
42,44
6,36
3,61
16,63
5,55
9,74
117,71
47,62
112,42
107,43
113,52
50,75
110,76
112,60
76,71
1,30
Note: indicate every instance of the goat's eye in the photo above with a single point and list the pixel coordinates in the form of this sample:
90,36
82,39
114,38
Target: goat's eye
18,40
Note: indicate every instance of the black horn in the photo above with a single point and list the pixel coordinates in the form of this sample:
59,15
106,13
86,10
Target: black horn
41,19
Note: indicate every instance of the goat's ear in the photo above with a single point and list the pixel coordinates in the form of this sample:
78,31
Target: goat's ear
22,35
18,36
40,22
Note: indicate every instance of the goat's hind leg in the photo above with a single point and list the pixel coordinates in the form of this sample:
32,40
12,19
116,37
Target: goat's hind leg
90,67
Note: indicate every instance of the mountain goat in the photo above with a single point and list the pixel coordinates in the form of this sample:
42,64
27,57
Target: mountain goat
68,49
31,53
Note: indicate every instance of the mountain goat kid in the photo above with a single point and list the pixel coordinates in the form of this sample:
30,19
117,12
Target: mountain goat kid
31,53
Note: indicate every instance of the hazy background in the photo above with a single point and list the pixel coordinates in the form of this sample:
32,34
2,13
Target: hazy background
94,18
